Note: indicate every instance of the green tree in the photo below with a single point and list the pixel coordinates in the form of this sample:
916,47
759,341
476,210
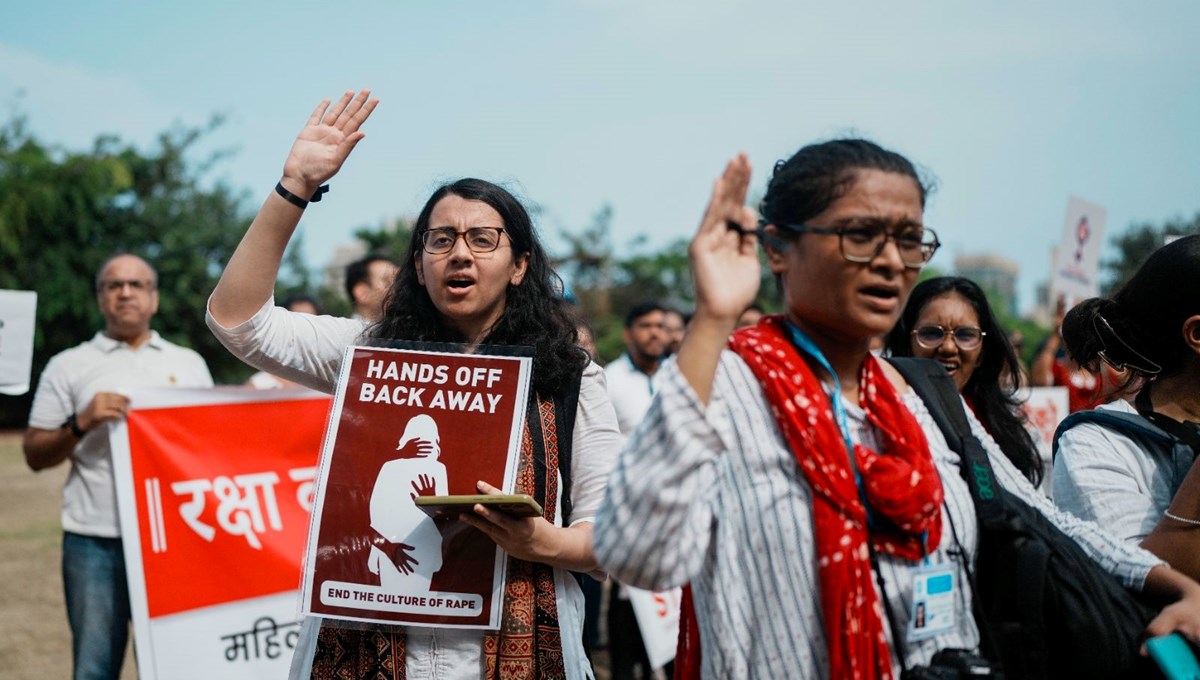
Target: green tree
390,239
63,212
1136,244
606,284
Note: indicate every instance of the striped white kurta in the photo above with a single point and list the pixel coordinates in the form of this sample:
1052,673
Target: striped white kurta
713,496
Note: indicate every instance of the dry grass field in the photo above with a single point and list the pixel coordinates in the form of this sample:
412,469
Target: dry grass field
34,639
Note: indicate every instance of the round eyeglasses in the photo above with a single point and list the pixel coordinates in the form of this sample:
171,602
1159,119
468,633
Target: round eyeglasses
862,243
965,337
441,240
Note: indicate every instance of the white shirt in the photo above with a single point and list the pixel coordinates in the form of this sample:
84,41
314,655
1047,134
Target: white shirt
631,392
713,496
1120,483
71,379
309,349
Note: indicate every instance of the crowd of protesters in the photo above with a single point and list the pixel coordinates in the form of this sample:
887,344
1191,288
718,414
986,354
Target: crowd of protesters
735,453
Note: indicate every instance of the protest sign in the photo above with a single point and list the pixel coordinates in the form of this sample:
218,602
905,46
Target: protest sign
17,311
1076,274
405,424
1044,408
657,616
214,489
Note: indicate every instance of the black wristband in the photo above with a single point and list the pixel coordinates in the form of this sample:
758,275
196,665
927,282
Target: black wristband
73,423
296,200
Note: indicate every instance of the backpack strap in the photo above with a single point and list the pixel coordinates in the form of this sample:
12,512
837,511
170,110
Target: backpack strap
1188,433
936,388
1118,421
1149,435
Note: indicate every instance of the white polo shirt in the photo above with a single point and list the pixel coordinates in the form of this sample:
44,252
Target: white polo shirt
67,386
631,392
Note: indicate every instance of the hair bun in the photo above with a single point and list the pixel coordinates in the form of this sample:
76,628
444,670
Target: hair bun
1079,329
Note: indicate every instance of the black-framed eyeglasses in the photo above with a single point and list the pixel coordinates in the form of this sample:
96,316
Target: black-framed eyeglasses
861,243
441,240
965,337
114,285
1108,338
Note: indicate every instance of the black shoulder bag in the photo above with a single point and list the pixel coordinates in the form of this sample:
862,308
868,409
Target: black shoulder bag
1045,609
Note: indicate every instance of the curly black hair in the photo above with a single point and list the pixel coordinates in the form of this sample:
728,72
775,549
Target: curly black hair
991,389
535,313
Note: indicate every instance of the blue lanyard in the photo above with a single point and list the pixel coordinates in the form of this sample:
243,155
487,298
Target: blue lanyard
807,346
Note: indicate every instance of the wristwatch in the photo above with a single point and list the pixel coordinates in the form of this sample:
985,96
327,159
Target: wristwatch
73,423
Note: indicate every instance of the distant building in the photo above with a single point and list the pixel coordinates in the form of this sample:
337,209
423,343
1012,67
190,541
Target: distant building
335,272
334,275
995,274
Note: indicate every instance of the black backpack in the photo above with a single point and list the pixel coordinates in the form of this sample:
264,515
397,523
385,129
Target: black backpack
1044,608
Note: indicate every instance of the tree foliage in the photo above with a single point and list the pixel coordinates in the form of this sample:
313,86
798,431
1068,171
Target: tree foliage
63,212
1136,244
606,284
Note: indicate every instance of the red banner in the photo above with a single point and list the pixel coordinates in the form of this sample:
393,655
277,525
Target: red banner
223,490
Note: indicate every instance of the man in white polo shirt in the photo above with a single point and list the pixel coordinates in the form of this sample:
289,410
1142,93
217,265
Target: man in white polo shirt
630,386
79,392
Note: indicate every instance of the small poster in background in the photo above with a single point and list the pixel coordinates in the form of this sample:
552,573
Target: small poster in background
18,309
406,424
1044,409
1076,274
657,614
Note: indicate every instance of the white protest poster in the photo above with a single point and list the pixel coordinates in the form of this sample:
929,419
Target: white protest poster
214,489
657,616
405,424
17,314
1044,409
1077,265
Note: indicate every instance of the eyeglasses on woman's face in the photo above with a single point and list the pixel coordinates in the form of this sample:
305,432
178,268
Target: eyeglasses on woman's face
861,242
441,240
965,337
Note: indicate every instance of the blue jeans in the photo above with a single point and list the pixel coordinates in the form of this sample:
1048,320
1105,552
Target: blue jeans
97,604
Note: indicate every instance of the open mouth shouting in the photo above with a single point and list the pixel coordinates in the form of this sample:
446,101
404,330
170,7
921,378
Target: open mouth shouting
881,296
951,365
460,284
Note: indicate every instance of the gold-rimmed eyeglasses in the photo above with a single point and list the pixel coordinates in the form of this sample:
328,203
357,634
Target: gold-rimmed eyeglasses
965,337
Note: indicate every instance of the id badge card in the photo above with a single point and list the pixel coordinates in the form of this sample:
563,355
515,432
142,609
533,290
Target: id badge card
934,596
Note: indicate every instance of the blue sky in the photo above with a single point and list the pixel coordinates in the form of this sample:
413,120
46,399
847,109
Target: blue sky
1011,106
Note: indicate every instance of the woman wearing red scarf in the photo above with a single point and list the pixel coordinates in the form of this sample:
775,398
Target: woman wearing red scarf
792,479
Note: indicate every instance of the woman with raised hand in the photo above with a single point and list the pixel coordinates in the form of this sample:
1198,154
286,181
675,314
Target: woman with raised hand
1127,465
740,482
948,319
476,274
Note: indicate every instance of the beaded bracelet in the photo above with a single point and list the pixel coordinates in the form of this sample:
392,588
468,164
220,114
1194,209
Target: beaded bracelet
1177,518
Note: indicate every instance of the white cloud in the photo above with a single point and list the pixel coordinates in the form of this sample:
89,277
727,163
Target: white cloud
70,104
